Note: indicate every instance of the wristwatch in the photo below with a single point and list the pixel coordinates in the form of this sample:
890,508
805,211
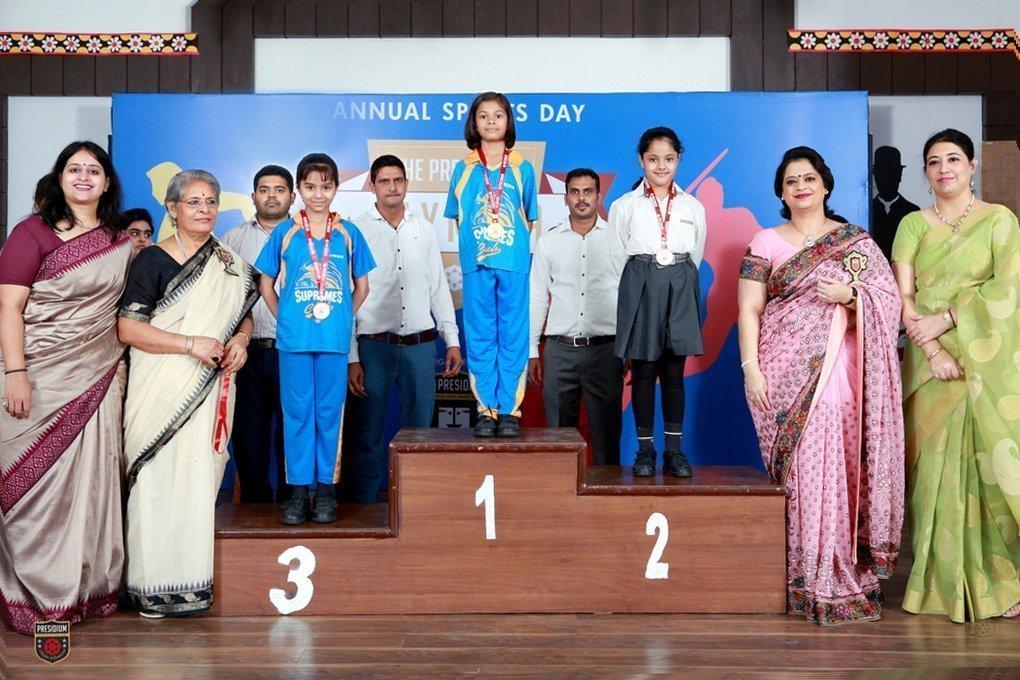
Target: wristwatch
853,295
948,316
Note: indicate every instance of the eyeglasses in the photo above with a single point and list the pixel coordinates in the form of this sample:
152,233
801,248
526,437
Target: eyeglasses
196,203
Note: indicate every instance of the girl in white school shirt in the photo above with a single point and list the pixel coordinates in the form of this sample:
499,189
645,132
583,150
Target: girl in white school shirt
658,240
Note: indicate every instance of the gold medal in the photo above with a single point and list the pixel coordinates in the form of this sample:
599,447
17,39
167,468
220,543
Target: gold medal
495,231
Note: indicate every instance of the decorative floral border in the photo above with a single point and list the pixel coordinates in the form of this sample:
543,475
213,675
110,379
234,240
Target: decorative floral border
99,44
904,42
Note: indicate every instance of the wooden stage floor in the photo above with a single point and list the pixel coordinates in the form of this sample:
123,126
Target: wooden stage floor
125,647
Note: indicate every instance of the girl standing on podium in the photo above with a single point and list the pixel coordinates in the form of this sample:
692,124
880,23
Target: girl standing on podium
658,237
494,198
317,256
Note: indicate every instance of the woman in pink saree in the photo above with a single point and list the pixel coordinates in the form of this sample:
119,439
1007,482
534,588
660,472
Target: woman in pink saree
61,274
819,313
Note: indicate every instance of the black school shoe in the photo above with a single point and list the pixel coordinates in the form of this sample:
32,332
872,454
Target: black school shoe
644,464
485,427
295,511
324,511
675,464
508,426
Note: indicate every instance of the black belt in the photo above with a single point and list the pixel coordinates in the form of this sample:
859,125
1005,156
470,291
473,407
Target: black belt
402,340
677,258
582,341
263,343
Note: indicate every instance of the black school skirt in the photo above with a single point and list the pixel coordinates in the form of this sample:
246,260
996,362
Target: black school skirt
658,308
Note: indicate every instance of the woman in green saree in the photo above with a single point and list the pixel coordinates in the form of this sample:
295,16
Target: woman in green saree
957,264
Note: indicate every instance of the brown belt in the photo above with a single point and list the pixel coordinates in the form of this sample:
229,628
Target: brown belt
263,343
582,341
402,340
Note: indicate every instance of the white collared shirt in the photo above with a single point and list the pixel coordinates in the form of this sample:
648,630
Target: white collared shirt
635,226
576,272
247,239
408,287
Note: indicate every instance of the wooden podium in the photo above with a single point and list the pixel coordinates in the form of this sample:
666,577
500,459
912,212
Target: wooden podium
514,525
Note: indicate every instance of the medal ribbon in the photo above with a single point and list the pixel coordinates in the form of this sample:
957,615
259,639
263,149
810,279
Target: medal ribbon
320,267
221,430
663,223
493,198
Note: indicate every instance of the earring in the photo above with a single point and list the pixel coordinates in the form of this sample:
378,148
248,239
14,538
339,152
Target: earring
929,190
972,186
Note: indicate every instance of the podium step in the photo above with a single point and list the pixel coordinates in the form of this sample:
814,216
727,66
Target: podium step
514,525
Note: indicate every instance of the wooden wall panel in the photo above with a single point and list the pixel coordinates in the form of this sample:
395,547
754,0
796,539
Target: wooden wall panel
746,57
386,19
174,74
683,18
299,19
618,17
876,73
844,72
714,17
459,18
143,74
522,17
331,18
47,75
553,18
651,18
268,19
778,62
238,68
940,73
973,73
206,69
490,17
908,74
15,76
111,75
812,72
427,18
80,76
585,17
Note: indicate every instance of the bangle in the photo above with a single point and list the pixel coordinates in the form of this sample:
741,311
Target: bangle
16,370
933,354
189,344
746,362
247,338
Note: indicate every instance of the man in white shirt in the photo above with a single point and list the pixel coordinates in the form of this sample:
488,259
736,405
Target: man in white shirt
572,265
258,419
394,336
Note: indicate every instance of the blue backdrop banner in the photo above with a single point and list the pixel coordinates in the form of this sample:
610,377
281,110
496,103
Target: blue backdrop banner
732,144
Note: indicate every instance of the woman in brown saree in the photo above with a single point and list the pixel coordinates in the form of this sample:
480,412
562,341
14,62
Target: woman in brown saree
61,273
186,315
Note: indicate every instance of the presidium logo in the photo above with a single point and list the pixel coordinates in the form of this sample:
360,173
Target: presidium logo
52,640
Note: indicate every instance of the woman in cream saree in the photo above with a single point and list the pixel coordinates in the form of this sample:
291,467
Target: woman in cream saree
962,400
180,405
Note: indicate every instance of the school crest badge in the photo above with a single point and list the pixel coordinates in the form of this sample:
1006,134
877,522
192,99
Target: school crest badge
53,640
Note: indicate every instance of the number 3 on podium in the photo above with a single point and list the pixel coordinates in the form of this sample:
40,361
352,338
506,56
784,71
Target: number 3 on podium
486,494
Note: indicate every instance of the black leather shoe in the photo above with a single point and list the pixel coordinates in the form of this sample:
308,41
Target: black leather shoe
644,464
675,464
508,426
324,511
295,511
485,427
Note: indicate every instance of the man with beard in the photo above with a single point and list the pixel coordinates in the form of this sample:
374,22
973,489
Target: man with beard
258,419
573,296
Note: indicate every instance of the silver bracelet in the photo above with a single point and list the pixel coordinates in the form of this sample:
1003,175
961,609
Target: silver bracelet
745,363
189,344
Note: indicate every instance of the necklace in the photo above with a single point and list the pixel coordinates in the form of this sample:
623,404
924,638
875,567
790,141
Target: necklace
180,246
956,224
809,238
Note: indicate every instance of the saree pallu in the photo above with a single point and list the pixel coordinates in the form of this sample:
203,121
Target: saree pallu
963,436
834,435
61,537
174,407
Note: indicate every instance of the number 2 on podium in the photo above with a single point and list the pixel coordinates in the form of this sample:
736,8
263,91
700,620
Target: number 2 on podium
486,493
657,522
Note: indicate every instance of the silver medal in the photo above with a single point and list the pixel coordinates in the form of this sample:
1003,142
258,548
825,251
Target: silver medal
664,258
321,310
